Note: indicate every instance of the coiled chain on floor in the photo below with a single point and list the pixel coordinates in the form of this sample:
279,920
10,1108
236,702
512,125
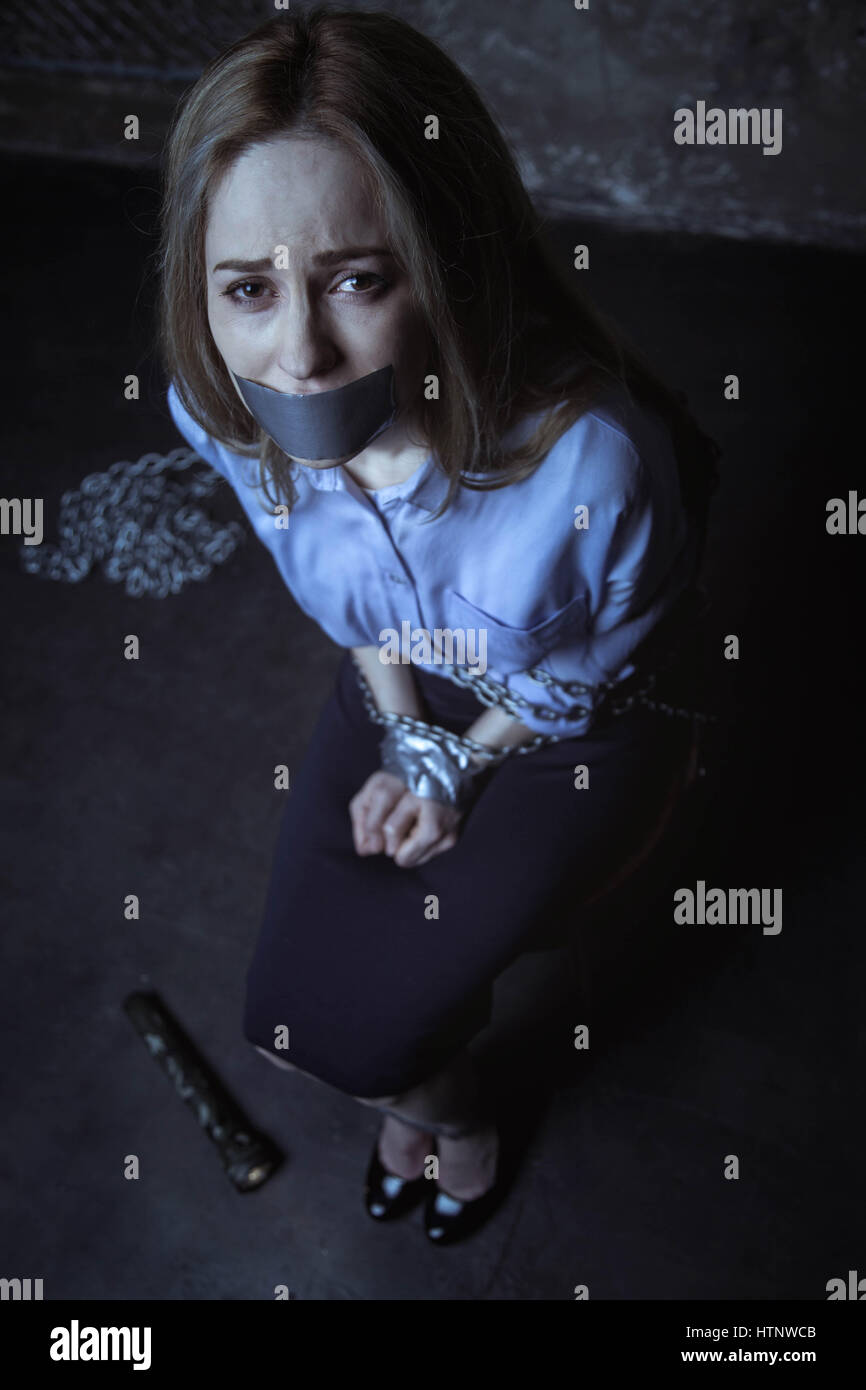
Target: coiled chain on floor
143,527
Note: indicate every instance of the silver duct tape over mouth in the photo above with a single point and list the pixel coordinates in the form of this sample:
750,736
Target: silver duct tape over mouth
326,424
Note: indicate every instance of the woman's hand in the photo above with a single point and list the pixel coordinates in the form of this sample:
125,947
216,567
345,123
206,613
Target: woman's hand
387,817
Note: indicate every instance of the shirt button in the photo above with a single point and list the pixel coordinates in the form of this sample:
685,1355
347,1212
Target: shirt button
397,578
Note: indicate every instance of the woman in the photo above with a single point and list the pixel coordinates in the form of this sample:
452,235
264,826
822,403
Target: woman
441,444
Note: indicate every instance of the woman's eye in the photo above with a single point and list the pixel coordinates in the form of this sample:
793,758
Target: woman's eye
364,275
232,292
255,292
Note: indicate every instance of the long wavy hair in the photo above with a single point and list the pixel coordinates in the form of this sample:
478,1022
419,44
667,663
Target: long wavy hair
509,333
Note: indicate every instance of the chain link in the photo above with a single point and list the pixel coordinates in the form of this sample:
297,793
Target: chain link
694,603
145,530
143,527
491,757
490,692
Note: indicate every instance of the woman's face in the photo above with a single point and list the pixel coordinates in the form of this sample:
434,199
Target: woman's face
341,309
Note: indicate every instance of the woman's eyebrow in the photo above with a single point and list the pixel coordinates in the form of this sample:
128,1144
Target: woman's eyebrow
320,258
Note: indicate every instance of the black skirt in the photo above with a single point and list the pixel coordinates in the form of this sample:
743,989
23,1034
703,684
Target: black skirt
381,974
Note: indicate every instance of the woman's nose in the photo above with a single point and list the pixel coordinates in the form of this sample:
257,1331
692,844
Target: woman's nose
305,350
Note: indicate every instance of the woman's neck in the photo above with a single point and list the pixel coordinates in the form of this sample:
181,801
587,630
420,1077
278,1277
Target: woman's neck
383,464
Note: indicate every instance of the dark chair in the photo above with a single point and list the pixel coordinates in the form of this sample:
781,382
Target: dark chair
613,935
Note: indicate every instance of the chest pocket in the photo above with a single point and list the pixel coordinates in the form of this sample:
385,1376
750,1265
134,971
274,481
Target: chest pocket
516,648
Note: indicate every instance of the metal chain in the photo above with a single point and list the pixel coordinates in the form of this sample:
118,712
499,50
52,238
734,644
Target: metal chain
490,692
142,527
449,741
145,531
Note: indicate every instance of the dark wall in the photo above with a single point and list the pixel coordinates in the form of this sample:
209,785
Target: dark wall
587,97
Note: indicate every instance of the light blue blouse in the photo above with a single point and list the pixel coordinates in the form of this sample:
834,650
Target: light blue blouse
547,583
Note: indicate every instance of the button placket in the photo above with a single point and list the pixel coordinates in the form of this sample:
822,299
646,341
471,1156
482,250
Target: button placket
401,591
397,586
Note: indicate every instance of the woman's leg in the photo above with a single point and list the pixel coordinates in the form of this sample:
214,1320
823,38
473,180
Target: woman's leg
448,1103
373,998
449,1108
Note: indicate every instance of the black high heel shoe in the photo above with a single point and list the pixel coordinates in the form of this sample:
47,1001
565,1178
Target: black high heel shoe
448,1219
386,1195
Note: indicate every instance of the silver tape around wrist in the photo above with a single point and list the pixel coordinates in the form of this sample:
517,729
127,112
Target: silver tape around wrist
427,767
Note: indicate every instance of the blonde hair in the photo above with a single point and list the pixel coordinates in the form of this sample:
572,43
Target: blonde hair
508,334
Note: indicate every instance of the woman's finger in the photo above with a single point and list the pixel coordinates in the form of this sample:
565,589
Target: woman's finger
428,829
367,840
447,841
400,822
370,807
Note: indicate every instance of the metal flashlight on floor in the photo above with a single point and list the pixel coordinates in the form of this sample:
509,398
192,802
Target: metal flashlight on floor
248,1157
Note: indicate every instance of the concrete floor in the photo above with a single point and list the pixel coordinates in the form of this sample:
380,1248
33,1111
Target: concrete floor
155,778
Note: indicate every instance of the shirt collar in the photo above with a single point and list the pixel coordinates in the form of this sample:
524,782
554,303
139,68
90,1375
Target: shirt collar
425,488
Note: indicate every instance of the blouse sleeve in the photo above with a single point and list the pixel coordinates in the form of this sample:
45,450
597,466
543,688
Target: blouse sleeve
638,559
